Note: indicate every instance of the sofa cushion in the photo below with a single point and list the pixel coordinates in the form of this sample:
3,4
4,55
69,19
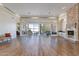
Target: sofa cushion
7,35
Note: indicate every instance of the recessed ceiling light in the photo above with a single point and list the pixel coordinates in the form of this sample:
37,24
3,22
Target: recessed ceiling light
17,15
63,7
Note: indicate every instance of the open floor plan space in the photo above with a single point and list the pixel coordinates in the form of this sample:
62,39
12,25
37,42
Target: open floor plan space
39,29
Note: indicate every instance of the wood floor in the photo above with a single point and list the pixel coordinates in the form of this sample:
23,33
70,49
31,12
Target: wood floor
12,49
36,45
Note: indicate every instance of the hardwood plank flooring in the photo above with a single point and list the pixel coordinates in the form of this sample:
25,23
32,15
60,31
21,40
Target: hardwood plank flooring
48,46
12,49
36,45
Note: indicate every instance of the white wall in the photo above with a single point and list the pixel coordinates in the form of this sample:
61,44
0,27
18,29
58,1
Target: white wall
7,22
63,18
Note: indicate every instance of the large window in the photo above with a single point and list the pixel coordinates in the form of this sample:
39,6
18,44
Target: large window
34,27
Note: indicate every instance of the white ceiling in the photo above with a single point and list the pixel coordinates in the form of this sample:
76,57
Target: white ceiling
38,9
